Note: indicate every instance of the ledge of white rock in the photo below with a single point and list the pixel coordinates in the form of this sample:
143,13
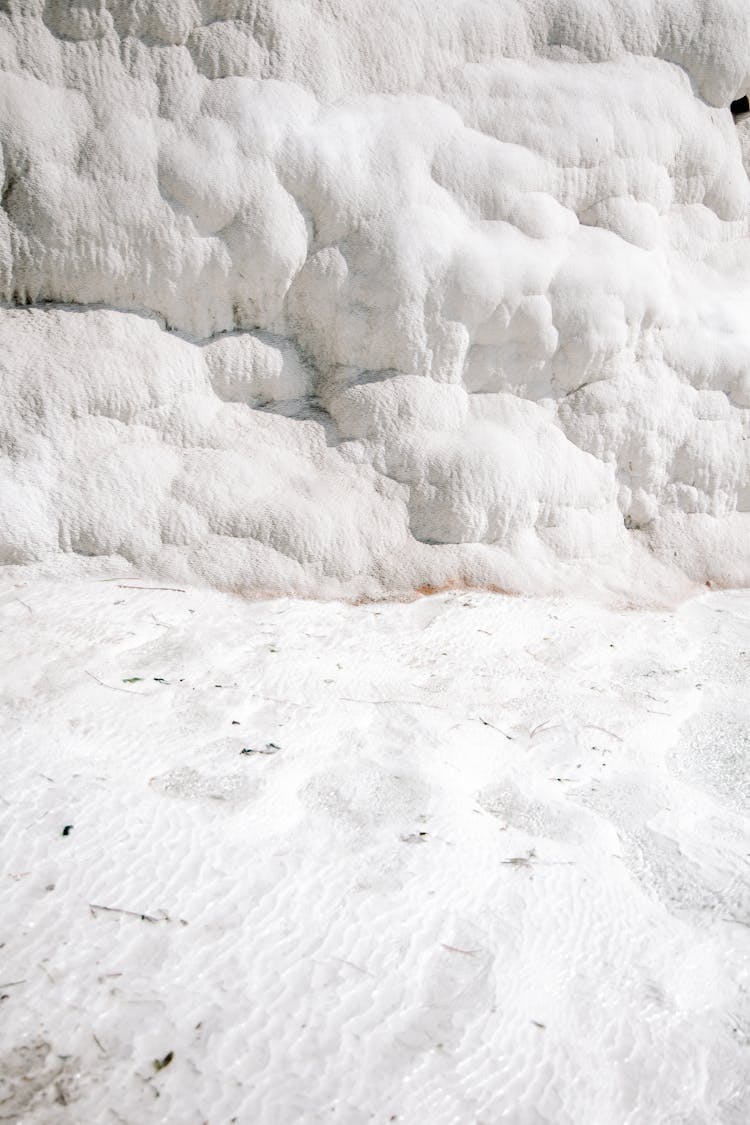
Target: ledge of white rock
353,301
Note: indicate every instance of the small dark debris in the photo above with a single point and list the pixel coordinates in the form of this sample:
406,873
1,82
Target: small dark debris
235,722
269,748
133,680
159,1064
537,1024
67,829
160,680
521,860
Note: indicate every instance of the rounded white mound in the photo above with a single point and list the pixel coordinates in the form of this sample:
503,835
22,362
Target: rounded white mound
356,298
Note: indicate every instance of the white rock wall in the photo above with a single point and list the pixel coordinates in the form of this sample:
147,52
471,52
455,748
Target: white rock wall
373,296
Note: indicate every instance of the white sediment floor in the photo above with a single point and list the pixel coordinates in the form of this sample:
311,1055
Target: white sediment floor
466,860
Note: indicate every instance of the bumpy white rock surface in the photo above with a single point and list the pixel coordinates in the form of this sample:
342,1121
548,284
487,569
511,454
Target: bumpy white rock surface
353,298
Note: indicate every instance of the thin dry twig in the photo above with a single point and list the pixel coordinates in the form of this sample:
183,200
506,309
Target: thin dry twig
395,702
112,687
493,727
389,703
531,860
722,918
422,703
542,727
343,961
93,906
130,913
520,860
593,726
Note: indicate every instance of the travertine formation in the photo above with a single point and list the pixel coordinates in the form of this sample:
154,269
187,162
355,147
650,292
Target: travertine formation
344,297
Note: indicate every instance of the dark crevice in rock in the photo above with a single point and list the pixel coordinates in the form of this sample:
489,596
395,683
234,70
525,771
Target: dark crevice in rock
740,108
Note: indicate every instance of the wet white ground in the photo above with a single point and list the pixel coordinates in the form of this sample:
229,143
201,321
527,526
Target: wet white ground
496,870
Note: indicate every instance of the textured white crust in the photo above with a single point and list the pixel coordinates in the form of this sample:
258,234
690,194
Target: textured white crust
467,859
387,295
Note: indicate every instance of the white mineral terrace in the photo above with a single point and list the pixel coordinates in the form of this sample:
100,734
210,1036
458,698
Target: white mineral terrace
352,298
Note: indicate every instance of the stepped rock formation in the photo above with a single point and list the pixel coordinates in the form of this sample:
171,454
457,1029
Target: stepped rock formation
346,298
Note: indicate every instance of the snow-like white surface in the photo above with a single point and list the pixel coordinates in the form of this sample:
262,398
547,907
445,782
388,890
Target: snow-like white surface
496,869
386,295
349,299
